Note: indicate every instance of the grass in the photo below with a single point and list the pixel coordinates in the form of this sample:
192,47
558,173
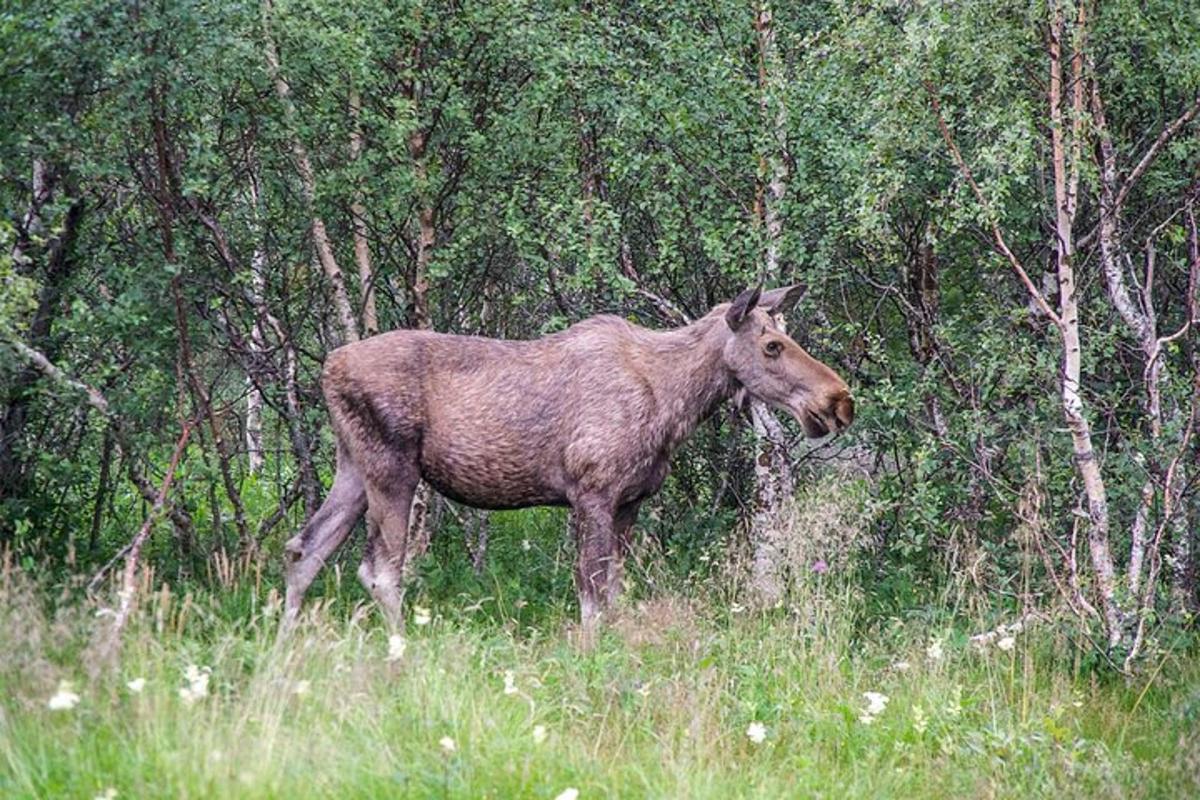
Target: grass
659,708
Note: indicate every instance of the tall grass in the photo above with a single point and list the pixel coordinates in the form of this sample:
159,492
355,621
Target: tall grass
660,707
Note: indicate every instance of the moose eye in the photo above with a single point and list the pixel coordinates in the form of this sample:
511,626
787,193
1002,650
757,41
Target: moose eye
773,348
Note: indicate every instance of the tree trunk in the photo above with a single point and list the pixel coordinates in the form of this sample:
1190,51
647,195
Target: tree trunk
358,222
254,397
426,232
106,454
52,278
773,487
773,490
167,199
418,286
308,184
1066,182
773,164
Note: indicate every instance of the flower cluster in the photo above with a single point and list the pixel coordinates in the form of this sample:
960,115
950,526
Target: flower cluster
64,699
397,644
1004,636
197,679
876,705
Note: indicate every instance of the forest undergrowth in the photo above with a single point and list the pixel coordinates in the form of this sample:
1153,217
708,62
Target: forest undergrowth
486,693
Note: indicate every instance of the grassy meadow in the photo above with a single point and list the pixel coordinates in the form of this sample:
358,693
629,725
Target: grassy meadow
486,694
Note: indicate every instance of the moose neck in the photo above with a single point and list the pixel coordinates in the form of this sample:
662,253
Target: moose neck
693,378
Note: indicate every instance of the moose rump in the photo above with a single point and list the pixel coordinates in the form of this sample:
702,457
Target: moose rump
587,418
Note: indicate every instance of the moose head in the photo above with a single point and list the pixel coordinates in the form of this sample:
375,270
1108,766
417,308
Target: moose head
771,367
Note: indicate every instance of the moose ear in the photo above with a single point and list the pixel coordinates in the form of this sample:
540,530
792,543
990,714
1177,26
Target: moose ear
742,306
780,301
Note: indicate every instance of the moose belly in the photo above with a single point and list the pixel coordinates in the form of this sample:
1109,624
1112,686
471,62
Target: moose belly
489,472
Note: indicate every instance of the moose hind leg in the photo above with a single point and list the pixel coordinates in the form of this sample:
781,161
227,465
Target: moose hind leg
306,553
385,560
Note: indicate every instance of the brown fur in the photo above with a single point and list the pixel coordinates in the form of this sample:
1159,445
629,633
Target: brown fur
587,417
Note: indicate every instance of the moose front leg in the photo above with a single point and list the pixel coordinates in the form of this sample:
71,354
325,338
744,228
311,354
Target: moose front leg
598,552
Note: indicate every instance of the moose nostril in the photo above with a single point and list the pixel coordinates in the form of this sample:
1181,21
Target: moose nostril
843,409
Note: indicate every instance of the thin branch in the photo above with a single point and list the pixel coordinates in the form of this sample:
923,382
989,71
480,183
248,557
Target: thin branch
1168,133
94,398
997,235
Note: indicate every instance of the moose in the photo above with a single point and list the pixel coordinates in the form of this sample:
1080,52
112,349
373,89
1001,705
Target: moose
587,417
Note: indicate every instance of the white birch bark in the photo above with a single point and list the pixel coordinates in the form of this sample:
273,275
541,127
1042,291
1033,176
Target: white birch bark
773,486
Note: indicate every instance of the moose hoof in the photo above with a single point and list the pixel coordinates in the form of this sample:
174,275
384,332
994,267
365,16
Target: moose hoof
293,551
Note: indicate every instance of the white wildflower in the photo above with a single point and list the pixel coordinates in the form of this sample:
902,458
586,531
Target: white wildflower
397,644
448,745
934,651
108,794
510,682
64,699
136,685
197,688
736,608
421,615
300,688
570,793
756,732
539,734
526,545
1004,636
876,702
